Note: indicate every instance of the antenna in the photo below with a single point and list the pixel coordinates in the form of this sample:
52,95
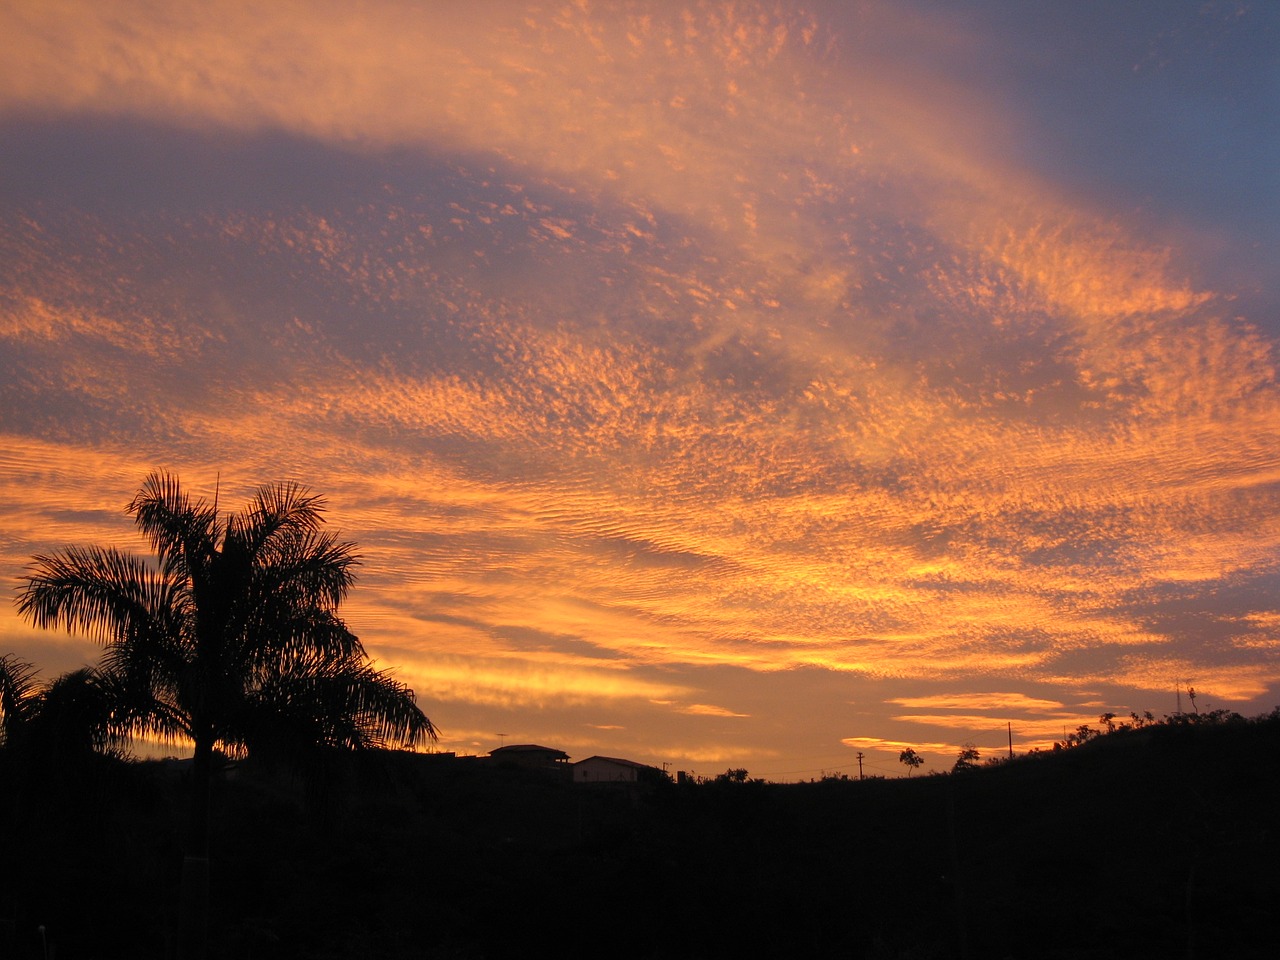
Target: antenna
502,737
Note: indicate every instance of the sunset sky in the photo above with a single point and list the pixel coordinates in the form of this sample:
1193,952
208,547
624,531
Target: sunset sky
710,384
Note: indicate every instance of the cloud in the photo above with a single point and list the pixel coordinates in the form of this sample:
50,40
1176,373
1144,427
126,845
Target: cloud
707,710
993,702
895,747
977,724
630,343
515,683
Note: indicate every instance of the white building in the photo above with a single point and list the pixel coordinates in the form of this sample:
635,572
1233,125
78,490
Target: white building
613,770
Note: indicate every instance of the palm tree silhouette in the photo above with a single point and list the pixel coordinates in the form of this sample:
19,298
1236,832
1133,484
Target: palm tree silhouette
18,691
230,637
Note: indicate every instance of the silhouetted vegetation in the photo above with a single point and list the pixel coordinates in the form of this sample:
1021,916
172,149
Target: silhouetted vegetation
967,759
17,697
911,760
229,637
1148,842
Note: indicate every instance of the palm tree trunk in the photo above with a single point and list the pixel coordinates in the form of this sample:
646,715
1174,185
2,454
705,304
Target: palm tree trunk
193,907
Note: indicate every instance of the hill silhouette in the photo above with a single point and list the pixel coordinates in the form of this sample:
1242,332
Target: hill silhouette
1159,842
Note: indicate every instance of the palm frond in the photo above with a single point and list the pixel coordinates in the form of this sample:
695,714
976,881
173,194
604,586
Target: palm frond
141,703
285,636
17,694
276,601
347,703
75,715
184,533
388,709
307,564
102,593
276,514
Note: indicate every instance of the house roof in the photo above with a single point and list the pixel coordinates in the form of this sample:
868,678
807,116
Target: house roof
619,761
527,748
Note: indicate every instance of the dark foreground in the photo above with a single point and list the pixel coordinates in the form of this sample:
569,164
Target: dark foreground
1160,843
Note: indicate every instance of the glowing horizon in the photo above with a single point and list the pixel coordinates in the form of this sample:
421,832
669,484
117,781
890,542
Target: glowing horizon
710,384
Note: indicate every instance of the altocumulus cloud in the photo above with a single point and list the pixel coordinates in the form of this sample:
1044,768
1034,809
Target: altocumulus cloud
662,356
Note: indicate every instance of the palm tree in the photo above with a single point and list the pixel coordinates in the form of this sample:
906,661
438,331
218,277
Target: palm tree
230,636
17,696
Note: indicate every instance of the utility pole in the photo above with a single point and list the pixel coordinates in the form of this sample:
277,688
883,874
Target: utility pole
859,765
1009,724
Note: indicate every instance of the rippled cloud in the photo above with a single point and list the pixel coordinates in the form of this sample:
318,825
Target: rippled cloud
672,365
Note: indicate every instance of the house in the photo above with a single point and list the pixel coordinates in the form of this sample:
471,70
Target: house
614,770
530,756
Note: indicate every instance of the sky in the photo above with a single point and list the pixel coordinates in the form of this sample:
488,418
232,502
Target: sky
711,385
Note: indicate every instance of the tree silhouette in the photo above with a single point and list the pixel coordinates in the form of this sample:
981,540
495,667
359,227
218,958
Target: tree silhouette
911,759
17,697
70,718
968,758
230,637
57,729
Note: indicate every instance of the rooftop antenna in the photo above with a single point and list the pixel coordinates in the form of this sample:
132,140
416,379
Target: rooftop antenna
502,740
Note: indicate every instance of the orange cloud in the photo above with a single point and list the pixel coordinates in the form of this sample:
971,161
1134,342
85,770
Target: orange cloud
707,710
731,340
514,683
992,702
